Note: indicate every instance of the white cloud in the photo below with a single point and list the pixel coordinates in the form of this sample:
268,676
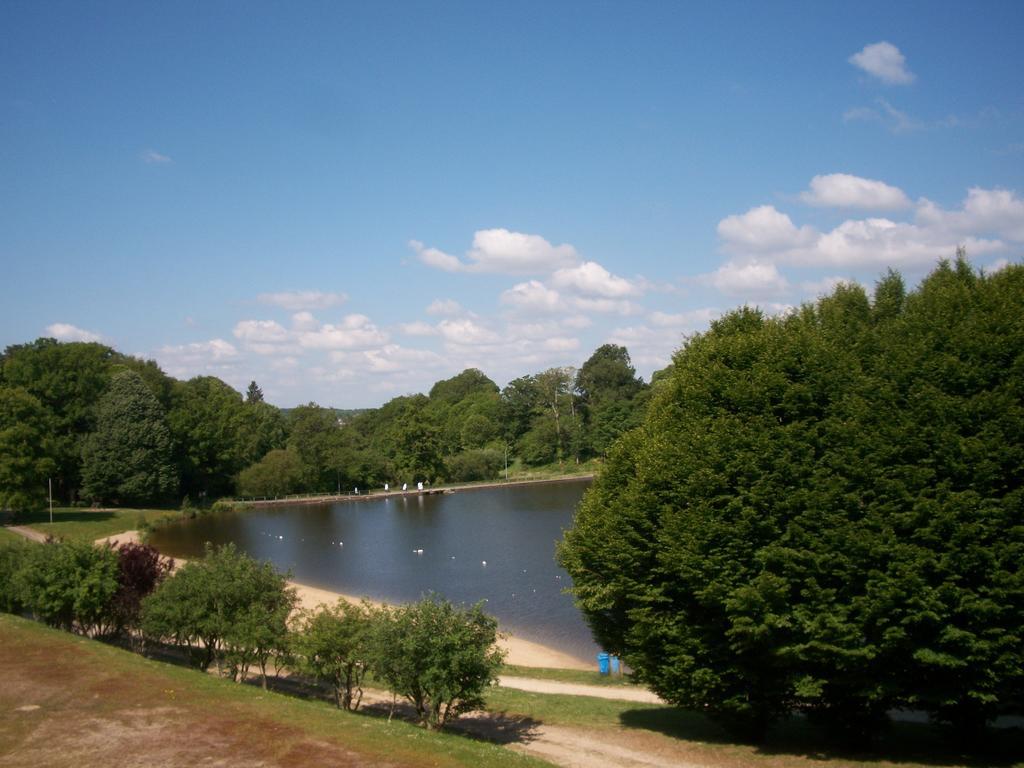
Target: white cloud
577,322
985,211
261,331
842,190
68,332
432,257
560,344
353,332
605,306
649,348
184,361
762,229
532,296
985,221
881,243
884,61
751,279
546,329
265,337
824,286
692,320
294,301
285,363
393,358
445,307
501,251
153,157
304,321
418,328
590,278
466,332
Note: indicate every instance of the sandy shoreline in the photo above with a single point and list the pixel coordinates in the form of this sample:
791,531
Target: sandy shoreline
521,652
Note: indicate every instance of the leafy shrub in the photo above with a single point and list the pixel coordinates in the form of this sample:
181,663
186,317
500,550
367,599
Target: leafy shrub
68,584
333,645
13,558
278,473
140,569
224,607
439,657
482,464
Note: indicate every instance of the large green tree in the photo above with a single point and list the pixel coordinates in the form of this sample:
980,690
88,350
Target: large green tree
314,436
129,457
217,434
67,380
609,395
824,511
25,450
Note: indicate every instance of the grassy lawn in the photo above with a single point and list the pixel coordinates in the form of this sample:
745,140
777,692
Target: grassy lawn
65,697
6,537
81,523
579,676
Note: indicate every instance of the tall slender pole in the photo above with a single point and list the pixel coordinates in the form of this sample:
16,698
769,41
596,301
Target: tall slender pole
506,462
49,483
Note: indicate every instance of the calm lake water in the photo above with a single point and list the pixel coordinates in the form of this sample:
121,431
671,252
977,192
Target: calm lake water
368,548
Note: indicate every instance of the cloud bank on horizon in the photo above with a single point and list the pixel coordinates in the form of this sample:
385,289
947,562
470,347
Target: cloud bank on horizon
769,261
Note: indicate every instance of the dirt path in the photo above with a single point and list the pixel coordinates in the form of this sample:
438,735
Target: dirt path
582,748
616,692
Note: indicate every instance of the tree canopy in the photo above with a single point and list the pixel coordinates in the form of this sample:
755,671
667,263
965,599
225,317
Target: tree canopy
66,413
128,457
823,511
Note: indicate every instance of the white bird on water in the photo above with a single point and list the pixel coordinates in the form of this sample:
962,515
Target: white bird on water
417,551
483,562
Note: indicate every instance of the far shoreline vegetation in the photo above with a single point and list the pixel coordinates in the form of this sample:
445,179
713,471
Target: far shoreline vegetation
112,430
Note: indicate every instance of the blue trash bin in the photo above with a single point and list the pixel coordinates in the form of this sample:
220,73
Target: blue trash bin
615,665
602,663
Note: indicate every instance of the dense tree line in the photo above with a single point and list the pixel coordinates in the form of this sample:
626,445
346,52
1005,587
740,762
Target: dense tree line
231,611
823,512
111,428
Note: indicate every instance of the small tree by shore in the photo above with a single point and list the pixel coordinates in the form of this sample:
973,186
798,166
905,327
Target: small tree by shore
333,644
439,657
225,607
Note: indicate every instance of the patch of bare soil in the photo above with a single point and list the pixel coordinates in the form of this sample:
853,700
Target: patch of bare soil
57,712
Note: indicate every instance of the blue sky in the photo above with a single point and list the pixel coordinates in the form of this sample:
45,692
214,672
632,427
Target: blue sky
350,201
